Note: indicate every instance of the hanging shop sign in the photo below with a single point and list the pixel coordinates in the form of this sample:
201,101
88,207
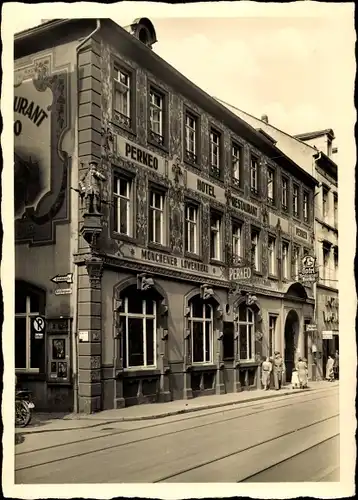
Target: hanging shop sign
311,327
327,334
308,273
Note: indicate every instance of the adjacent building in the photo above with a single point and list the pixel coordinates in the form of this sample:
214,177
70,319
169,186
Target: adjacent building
315,153
158,235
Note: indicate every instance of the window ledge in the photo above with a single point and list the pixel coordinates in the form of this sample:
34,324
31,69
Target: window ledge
273,277
119,124
124,237
193,256
159,248
140,372
193,164
206,367
258,273
217,262
161,147
249,363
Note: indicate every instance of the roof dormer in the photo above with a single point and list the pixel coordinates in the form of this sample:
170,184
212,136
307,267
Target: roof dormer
143,29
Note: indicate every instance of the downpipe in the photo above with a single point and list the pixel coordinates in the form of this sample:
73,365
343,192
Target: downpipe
75,248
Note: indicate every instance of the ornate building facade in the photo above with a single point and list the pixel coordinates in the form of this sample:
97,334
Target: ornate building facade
184,237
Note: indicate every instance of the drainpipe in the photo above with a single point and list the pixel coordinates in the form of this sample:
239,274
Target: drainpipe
75,247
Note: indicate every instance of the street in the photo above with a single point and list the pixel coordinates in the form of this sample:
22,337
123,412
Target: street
286,439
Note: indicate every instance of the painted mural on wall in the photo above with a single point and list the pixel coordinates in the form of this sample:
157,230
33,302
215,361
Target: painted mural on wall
41,166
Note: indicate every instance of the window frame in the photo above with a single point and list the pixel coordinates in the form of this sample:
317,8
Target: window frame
272,258
143,316
335,210
256,233
296,200
284,180
205,321
296,262
152,189
160,141
254,160
305,206
248,324
127,122
192,158
325,201
237,159
189,204
271,200
219,232
285,271
120,175
237,256
215,169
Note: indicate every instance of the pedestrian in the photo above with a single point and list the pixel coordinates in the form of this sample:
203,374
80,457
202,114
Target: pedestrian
329,369
336,366
278,370
301,368
295,380
266,373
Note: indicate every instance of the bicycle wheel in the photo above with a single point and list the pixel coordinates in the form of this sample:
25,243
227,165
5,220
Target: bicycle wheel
22,414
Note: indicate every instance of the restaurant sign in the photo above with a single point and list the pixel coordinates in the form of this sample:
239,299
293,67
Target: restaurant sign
308,272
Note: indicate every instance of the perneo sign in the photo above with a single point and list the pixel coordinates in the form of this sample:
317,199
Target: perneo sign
240,273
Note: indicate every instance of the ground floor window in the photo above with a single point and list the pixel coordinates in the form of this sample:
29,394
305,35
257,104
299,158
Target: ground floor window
201,327
138,319
29,338
246,330
272,331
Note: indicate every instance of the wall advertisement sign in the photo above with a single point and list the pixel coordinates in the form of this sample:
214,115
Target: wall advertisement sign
308,273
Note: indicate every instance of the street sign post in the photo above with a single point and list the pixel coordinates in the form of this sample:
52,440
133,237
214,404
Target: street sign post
63,278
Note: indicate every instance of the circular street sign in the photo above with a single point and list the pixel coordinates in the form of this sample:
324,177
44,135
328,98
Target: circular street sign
38,324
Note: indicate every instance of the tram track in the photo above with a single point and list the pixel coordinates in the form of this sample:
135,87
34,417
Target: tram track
187,418
249,448
24,455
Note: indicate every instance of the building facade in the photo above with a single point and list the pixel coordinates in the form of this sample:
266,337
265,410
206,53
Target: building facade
315,153
171,266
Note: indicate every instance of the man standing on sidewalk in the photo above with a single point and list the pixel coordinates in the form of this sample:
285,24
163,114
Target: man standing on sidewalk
278,369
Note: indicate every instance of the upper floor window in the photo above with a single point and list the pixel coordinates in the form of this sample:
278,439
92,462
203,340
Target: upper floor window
236,153
325,202
156,217
326,261
285,251
156,109
254,175
295,262
122,97
255,253
122,210
284,194
272,255
29,345
191,228
236,242
305,207
215,153
335,209
215,236
270,186
201,327
295,200
191,135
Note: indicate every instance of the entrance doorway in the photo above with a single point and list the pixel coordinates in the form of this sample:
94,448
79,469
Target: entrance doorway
291,338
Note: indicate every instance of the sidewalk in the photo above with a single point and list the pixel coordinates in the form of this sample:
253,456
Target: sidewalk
42,422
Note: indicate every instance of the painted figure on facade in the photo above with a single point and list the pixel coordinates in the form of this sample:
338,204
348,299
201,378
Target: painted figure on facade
206,292
278,370
301,368
329,369
266,373
90,189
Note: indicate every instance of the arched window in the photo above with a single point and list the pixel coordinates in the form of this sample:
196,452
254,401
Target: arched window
138,319
245,326
29,343
201,326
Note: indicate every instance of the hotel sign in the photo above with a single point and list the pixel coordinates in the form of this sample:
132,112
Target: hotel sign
139,155
159,259
202,186
244,206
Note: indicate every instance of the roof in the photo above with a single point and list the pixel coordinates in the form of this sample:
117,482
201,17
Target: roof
318,133
42,36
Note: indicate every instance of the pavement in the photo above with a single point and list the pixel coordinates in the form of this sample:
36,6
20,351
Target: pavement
54,422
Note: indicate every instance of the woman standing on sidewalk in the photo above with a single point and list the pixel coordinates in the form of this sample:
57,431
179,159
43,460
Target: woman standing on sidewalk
266,373
329,369
301,368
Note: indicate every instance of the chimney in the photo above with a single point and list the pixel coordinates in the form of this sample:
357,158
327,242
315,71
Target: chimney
264,118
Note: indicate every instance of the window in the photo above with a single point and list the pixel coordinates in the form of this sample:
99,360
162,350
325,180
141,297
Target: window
215,236
201,327
236,164
215,153
270,186
284,194
191,228
285,249
272,331
191,138
156,217
122,97
156,116
255,250
325,202
138,320
254,175
326,255
29,344
295,200
335,209
122,205
305,207
272,255
245,326
236,242
295,262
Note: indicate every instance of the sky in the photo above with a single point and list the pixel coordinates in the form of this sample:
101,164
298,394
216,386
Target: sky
294,63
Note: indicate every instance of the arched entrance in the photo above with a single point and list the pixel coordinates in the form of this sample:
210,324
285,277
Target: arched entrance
291,338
